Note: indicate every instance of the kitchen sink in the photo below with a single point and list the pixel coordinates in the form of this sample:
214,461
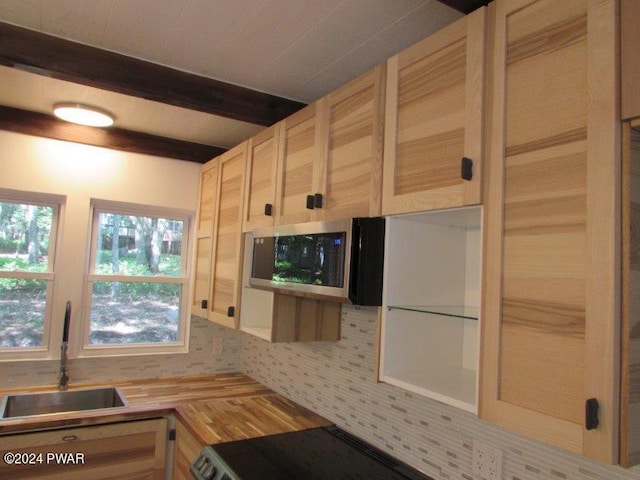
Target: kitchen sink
30,404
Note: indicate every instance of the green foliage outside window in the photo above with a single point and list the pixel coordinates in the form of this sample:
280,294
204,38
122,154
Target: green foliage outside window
25,231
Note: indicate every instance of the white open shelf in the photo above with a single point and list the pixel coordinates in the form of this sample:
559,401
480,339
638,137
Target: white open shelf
256,306
432,355
430,319
256,312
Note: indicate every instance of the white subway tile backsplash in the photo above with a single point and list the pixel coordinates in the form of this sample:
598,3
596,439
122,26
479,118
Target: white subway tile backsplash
198,361
337,381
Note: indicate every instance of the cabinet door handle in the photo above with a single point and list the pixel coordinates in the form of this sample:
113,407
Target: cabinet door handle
204,304
466,168
310,202
69,438
231,311
317,200
591,414
268,209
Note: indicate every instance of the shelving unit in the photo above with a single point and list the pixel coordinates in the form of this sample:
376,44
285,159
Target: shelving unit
430,318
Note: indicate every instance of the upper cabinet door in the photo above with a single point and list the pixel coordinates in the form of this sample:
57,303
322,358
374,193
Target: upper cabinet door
629,59
630,362
551,283
204,238
352,131
299,154
434,119
262,166
227,247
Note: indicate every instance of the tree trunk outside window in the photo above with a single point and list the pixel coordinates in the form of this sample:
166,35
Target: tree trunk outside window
32,235
115,253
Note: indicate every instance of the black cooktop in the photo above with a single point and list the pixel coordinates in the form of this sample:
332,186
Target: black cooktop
314,454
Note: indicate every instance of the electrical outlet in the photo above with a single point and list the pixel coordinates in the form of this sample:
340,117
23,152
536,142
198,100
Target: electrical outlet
217,346
487,461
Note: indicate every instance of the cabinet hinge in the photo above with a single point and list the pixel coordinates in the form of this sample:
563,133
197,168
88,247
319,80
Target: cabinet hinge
591,414
466,168
172,434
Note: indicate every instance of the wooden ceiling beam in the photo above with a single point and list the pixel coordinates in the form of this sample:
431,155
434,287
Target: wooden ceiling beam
465,6
55,57
44,125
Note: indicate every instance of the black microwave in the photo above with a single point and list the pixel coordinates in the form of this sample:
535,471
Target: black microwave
340,260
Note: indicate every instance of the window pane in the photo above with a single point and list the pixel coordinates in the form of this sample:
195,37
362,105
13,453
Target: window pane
22,312
138,245
134,312
25,231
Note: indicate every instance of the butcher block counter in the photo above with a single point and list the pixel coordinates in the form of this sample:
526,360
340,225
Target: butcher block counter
131,441
214,408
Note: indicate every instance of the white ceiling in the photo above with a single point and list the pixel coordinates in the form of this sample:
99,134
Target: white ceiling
297,49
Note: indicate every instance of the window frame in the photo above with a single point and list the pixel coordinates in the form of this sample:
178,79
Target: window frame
181,345
57,203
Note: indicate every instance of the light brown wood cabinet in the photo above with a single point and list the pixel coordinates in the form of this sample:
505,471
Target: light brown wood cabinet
298,163
226,264
187,449
330,155
204,238
434,120
217,269
552,234
630,365
132,450
261,179
629,59
350,167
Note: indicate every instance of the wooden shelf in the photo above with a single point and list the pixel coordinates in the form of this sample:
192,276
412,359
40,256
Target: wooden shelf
260,332
451,385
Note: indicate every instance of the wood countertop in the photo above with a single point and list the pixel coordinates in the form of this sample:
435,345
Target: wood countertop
220,421
214,408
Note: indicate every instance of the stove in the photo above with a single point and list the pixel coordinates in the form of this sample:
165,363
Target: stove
315,454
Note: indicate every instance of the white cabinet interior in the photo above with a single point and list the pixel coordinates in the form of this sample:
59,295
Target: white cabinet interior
429,334
256,306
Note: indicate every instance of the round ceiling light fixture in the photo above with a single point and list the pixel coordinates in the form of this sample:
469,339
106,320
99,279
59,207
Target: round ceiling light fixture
83,114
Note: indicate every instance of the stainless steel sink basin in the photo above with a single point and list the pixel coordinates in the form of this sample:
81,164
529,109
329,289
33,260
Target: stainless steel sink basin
30,404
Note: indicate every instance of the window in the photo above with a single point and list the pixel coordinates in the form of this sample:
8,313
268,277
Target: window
28,225
137,279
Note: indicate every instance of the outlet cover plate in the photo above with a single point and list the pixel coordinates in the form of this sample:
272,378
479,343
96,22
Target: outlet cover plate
487,461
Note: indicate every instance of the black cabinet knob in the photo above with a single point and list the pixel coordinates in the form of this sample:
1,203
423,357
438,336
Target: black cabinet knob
310,202
466,168
231,311
268,209
317,200
591,414
204,304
